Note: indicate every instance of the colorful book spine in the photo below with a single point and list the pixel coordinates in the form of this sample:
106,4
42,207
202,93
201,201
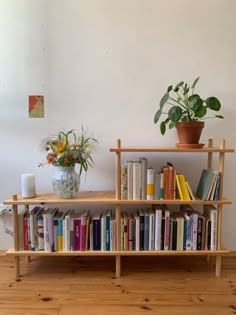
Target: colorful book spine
77,225
150,183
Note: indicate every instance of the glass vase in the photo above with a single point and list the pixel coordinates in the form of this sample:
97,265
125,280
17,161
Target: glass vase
65,182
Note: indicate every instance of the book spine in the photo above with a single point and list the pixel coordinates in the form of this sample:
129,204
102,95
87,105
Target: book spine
136,180
158,219
60,235
77,225
26,244
83,233
144,164
108,219
40,232
130,180
96,234
124,193
166,235
150,184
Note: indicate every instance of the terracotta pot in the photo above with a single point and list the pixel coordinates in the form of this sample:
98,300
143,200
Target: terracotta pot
189,132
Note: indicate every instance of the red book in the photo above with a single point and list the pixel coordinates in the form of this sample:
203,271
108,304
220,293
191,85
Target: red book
83,232
26,243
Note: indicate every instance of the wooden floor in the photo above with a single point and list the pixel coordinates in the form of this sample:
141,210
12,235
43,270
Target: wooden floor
149,285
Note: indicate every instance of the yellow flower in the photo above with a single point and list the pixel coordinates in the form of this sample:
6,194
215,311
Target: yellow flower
61,146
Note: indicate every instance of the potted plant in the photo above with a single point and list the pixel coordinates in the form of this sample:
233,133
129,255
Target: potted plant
186,111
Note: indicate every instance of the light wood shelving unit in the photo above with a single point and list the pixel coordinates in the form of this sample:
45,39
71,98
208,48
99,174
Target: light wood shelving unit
113,198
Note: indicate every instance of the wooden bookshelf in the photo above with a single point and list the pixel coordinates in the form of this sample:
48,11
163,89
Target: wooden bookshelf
114,198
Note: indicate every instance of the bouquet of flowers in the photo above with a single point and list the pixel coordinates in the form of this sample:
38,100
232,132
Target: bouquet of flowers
68,149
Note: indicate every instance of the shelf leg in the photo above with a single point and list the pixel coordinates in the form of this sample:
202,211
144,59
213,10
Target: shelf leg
17,267
218,266
118,265
27,259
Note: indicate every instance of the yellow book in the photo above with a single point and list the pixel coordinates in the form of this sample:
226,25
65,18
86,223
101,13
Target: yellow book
182,187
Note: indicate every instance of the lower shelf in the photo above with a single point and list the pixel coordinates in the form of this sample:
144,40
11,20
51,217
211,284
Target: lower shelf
222,252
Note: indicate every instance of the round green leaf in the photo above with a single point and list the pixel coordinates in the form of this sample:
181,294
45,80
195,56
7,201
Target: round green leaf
213,103
163,127
195,102
175,113
201,112
157,116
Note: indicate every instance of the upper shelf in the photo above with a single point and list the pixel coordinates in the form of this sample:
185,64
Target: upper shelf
99,197
142,149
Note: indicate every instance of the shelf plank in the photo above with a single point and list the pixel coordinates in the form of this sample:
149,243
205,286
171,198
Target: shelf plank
82,197
100,197
12,252
177,150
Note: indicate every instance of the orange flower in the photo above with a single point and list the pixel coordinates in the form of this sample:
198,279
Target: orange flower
50,158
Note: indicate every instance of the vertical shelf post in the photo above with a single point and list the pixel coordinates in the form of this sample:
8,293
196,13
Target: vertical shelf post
16,238
220,207
118,195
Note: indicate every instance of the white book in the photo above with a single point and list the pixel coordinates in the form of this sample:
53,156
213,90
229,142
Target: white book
158,220
129,180
150,183
136,180
190,191
137,232
211,213
151,230
144,163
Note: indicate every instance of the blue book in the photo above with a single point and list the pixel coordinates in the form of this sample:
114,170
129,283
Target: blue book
108,220
96,233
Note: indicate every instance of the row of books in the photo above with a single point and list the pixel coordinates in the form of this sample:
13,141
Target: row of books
140,182
159,228
54,230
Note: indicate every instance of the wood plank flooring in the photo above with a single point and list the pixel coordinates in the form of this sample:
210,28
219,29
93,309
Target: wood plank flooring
87,285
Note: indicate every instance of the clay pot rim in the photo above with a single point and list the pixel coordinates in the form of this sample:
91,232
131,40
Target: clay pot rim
190,124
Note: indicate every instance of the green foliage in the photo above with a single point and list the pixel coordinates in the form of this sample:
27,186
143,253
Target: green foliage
68,149
184,105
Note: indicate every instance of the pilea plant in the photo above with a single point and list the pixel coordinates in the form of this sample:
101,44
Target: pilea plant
184,105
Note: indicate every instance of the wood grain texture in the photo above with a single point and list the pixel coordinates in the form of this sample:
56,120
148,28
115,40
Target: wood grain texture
87,285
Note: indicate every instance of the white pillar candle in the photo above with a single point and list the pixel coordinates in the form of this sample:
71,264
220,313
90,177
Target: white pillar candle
28,188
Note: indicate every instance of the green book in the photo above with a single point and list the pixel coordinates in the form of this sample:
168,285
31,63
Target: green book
205,183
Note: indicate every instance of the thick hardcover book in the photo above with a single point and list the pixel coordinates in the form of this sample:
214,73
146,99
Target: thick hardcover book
205,184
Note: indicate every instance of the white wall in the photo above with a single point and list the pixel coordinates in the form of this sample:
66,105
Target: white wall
105,64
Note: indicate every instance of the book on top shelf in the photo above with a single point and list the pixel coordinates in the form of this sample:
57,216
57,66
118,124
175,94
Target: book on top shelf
206,183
